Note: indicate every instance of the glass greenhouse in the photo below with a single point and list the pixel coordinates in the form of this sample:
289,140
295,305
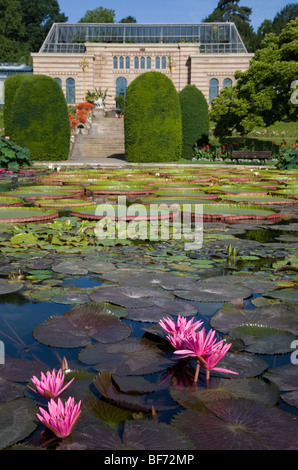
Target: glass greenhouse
213,38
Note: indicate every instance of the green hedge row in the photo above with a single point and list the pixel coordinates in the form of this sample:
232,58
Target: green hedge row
159,124
37,117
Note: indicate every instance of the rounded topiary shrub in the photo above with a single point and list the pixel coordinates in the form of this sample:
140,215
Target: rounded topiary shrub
11,86
40,119
195,119
152,120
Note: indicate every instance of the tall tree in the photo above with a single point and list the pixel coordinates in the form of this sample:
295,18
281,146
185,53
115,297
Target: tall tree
281,19
12,31
128,19
38,17
263,94
99,15
230,11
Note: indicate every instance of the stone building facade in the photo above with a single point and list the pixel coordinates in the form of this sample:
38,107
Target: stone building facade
114,64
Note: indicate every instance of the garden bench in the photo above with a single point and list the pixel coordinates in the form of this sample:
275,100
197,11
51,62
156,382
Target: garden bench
251,154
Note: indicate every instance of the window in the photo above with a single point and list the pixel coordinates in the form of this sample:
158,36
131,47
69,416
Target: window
213,89
157,62
115,62
142,62
70,91
148,62
227,82
121,62
58,80
163,62
136,62
127,63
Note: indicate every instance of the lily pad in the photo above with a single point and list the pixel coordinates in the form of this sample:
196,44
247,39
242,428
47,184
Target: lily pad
286,379
8,287
238,424
129,297
161,307
62,203
11,201
263,339
134,356
17,421
79,326
286,295
26,214
215,290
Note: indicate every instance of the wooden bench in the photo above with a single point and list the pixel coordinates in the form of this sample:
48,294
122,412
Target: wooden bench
250,155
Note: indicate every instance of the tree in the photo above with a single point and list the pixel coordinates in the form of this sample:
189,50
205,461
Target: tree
281,19
38,17
230,11
263,93
128,19
152,120
99,15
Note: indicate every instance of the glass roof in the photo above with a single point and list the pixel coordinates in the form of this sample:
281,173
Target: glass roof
212,38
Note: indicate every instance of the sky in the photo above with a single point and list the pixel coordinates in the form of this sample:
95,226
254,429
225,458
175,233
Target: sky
169,11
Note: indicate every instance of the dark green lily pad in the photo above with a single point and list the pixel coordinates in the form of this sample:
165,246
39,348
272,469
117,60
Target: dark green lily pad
159,279
79,326
133,356
19,369
161,307
10,390
286,295
250,388
239,424
215,290
286,379
263,339
280,316
71,299
17,421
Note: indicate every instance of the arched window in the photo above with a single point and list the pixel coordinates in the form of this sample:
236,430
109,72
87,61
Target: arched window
59,81
213,89
227,82
121,85
157,62
70,91
121,62
148,62
115,62
136,62
142,62
163,62
127,63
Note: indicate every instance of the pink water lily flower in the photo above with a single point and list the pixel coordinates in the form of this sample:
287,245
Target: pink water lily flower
179,330
50,385
215,357
60,418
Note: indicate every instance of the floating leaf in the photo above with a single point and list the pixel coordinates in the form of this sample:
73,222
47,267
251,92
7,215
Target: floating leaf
286,379
8,287
17,421
263,339
79,326
215,290
129,297
239,424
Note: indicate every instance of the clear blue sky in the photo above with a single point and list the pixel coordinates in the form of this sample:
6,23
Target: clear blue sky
169,11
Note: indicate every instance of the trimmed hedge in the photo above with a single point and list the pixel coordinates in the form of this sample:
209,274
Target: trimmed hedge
40,119
152,120
11,86
195,119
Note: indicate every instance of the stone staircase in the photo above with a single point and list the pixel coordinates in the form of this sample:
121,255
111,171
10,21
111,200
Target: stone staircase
104,140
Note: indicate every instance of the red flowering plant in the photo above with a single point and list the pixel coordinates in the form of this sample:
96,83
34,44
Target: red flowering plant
80,113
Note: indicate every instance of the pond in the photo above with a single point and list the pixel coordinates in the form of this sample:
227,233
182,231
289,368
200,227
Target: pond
88,270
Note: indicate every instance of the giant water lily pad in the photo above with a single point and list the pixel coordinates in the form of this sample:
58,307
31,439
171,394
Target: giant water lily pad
159,278
79,326
160,308
286,379
11,201
263,339
286,295
17,421
250,388
63,203
133,356
8,287
25,214
239,424
275,316
129,297
215,290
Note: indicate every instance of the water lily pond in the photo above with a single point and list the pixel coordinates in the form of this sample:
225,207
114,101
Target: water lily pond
86,276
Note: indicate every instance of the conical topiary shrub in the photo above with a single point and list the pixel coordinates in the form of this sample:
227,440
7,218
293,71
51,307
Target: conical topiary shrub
152,120
195,120
40,119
